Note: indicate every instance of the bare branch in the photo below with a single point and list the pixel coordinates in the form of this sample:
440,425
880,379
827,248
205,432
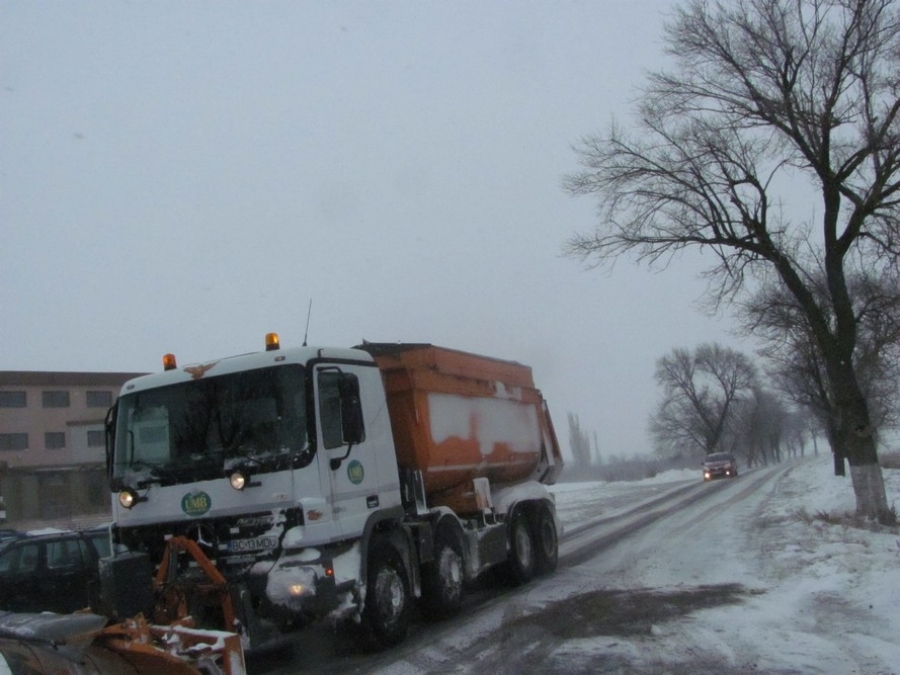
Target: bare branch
761,91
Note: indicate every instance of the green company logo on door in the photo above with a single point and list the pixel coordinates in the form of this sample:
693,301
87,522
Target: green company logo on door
196,503
355,472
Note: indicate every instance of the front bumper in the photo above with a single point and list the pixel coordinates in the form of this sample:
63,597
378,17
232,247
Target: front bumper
302,588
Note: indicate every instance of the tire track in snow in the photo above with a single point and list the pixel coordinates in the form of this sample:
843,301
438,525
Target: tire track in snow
588,540
494,624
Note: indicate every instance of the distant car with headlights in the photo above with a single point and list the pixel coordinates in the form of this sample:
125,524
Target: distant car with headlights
719,465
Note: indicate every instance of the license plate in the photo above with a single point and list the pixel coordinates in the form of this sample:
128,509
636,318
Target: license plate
254,544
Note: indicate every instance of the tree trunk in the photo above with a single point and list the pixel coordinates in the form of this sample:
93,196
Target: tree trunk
855,439
871,500
868,481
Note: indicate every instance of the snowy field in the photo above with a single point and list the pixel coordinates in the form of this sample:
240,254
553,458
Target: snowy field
812,595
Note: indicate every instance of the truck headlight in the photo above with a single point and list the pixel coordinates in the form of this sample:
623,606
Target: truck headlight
238,480
128,498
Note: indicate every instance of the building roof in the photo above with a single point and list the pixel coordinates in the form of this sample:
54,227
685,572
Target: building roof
37,378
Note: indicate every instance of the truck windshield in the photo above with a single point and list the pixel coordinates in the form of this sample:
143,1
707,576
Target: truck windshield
203,429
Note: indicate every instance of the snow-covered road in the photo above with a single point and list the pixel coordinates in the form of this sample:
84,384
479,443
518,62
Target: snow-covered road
743,579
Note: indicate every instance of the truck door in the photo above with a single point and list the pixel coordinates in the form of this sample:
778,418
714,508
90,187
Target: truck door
345,455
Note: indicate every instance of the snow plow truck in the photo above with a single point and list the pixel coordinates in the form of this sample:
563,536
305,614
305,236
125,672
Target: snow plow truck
265,491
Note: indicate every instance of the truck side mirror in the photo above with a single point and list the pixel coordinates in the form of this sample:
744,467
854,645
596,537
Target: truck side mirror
353,430
352,427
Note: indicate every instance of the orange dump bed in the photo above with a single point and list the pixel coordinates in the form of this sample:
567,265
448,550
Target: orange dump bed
458,416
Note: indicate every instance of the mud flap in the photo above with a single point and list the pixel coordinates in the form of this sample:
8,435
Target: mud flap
246,616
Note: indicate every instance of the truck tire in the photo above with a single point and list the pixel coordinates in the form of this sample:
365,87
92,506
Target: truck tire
522,555
546,541
442,579
386,612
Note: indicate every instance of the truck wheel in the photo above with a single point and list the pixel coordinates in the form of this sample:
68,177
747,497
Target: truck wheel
547,543
442,579
386,612
522,559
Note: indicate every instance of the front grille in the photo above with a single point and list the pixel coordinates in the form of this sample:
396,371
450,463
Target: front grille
233,542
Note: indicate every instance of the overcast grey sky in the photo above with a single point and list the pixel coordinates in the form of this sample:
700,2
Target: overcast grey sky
184,176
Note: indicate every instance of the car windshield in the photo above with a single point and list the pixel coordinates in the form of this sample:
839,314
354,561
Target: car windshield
718,457
204,428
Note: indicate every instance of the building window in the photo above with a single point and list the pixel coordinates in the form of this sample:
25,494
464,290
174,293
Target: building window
96,438
13,399
54,440
56,399
99,399
54,496
13,441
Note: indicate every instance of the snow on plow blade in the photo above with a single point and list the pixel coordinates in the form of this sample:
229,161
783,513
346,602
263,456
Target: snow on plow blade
82,643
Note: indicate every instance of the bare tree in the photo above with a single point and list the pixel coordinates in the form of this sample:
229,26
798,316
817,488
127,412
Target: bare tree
761,428
766,91
796,431
701,392
797,367
579,442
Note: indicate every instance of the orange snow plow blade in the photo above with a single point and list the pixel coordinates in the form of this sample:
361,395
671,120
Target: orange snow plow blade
174,596
174,649
84,644
78,643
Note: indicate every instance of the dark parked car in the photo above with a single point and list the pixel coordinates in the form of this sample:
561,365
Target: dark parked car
56,572
719,465
7,535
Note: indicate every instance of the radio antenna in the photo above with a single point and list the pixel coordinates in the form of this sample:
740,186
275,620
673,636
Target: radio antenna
308,314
